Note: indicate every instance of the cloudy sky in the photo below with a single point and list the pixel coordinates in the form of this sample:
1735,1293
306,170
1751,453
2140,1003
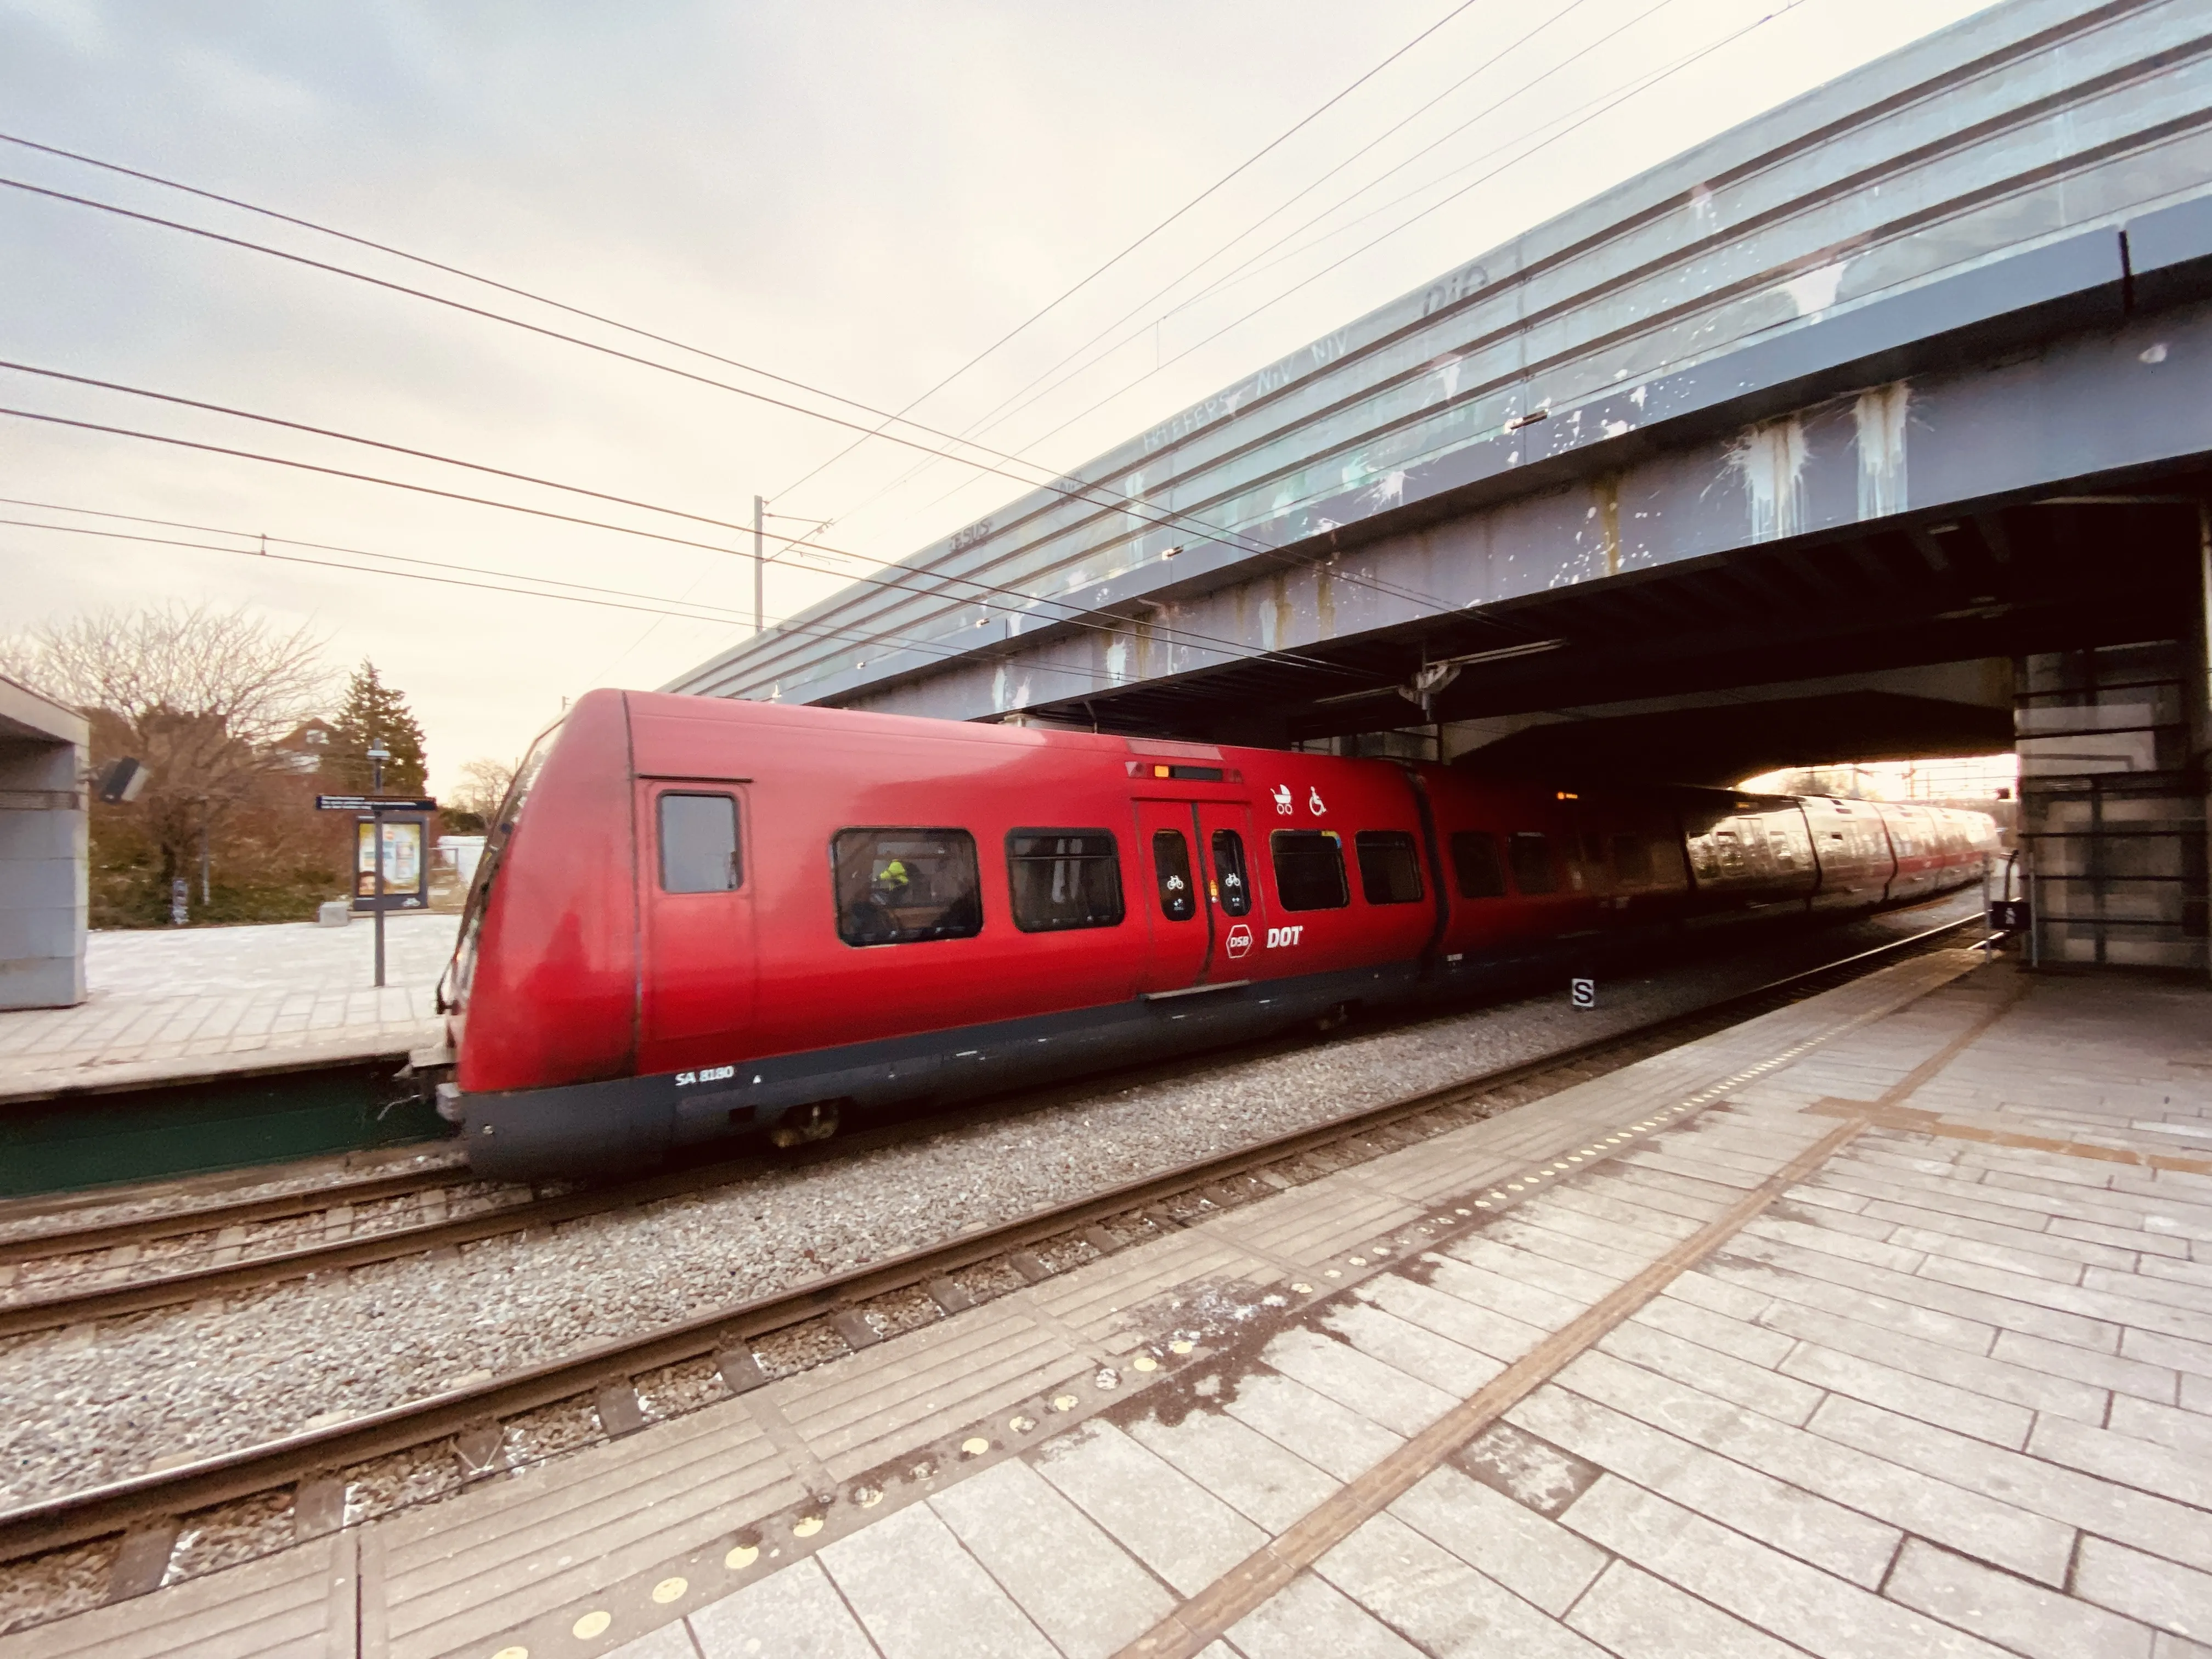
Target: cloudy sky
856,195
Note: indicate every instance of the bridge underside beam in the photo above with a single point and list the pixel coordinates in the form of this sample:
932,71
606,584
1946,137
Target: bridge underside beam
1722,737
2031,503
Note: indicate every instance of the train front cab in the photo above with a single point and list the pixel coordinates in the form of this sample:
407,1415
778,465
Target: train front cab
1751,857
544,998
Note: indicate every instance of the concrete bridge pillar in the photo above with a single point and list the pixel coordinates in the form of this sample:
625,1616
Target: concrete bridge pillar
2113,746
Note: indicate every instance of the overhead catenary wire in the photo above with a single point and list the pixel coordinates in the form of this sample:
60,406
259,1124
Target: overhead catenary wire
1060,486
1069,292
1590,109
1058,483
1019,398
1079,618
1603,106
1636,83
1251,266
586,593
1027,598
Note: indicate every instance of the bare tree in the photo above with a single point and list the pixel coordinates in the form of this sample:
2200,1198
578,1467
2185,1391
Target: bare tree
483,784
196,694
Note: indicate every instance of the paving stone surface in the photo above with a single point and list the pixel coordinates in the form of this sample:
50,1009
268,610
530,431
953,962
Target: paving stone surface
1770,1376
191,1002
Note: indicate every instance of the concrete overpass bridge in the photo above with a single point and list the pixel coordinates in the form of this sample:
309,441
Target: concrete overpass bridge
1881,424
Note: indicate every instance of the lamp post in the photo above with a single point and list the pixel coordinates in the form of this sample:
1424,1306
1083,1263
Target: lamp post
378,754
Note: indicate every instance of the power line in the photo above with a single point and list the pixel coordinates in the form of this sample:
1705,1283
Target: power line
369,443
1055,482
1058,484
1079,618
612,597
1067,293
1594,108
1019,399
1634,84
1605,105
1251,266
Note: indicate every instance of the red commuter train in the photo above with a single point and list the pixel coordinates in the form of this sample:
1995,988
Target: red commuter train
698,918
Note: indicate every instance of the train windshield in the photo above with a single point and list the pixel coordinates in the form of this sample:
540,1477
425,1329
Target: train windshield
497,833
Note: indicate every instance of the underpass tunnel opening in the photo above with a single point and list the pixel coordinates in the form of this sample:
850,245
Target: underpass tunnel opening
2068,622
1989,784
2067,631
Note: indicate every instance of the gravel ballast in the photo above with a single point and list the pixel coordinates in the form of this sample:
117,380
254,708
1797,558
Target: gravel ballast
80,1407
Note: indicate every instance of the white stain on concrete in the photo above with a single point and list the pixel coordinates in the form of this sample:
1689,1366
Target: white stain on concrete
1389,491
1881,416
1769,459
1118,654
1814,291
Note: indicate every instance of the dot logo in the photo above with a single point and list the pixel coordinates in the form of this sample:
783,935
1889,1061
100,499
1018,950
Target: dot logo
1239,941
1279,938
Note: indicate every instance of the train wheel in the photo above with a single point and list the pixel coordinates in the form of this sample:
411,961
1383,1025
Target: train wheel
815,1122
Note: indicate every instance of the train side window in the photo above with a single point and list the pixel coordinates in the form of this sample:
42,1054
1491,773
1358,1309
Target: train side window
1631,858
1389,873
1229,870
1171,866
1475,865
902,886
699,844
1310,870
1529,851
1063,878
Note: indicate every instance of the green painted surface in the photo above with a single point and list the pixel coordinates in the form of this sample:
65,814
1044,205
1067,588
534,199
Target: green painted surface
92,1140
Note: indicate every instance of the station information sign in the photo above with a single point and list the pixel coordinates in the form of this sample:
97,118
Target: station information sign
403,837
401,826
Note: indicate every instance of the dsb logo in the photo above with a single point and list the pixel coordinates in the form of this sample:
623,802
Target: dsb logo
1280,937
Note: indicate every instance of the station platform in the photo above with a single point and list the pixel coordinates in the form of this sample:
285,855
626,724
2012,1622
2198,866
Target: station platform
183,1004
1879,1324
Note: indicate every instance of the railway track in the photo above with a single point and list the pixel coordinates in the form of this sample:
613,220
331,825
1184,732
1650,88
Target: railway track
149,1509
225,1234
227,1262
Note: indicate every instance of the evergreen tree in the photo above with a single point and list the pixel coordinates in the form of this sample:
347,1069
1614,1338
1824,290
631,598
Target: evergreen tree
373,710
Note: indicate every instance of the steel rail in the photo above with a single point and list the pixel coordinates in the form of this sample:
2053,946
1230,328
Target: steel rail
212,1218
294,1459
70,1305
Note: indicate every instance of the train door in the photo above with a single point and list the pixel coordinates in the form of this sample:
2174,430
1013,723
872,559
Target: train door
1233,891
697,983
1177,914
